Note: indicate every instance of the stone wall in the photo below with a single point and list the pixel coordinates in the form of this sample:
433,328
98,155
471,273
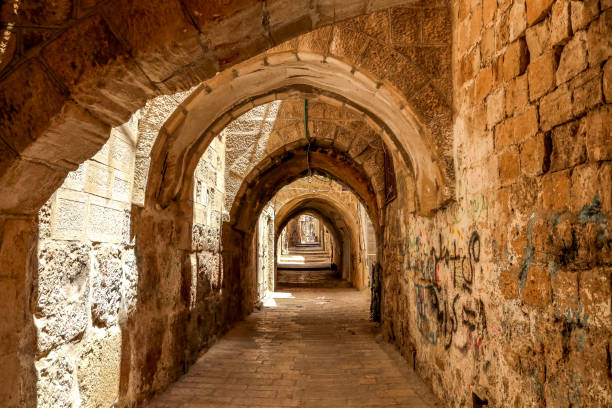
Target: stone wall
504,295
87,278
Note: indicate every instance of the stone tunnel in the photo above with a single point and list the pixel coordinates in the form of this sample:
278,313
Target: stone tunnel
305,203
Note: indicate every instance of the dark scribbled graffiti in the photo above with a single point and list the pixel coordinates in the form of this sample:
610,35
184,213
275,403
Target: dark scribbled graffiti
442,307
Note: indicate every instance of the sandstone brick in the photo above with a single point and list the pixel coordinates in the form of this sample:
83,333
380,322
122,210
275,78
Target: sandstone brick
525,124
147,26
518,20
406,25
99,369
14,246
573,58
556,190
475,24
495,107
583,12
483,83
516,59
555,108
564,289
537,290
502,33
534,155
598,126
538,39
87,54
599,38
488,10
584,186
587,92
487,45
537,9
509,166
560,27
56,381
436,25
517,94
542,75
504,134
508,284
595,295
607,81
568,147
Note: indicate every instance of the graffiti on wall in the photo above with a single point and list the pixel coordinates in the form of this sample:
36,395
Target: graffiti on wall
446,309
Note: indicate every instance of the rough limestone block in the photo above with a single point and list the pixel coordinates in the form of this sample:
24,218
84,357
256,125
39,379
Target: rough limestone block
583,12
533,156
63,289
607,81
537,9
129,283
560,27
538,39
516,59
99,368
495,107
598,134
556,108
55,385
106,286
537,290
573,58
509,166
542,75
518,20
556,190
599,39
568,148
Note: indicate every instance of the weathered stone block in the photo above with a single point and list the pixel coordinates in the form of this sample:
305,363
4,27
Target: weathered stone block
587,92
15,246
537,290
508,284
517,94
556,108
146,27
99,368
573,58
598,134
406,25
509,166
537,9
106,286
534,155
542,75
87,53
584,186
538,39
607,81
487,45
583,12
595,295
483,83
437,25
23,117
518,20
564,289
489,7
556,190
55,386
495,107
599,39
560,27
516,59
475,24
63,289
568,147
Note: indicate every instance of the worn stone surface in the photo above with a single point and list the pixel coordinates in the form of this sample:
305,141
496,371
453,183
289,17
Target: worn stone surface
98,368
63,289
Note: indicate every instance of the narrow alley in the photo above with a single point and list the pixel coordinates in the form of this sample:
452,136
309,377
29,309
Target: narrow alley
307,347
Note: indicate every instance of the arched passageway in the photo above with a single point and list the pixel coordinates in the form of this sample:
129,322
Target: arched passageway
147,147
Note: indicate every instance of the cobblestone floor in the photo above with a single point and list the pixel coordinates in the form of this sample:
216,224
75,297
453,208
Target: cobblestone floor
306,348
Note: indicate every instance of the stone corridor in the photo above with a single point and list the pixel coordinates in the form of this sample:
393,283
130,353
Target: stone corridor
307,347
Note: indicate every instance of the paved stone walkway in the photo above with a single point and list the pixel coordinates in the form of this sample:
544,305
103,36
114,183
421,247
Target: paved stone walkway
306,348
